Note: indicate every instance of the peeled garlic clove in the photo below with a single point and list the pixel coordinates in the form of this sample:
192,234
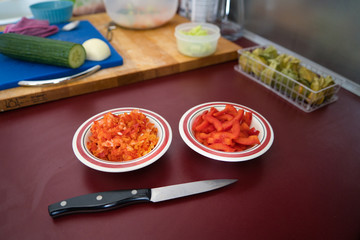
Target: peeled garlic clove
96,49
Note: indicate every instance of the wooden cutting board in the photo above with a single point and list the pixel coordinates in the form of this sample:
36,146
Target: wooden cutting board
147,54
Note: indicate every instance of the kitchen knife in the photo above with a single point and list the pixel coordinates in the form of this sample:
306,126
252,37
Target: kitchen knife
101,201
37,83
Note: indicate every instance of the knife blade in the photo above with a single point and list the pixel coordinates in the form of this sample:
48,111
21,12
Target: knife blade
103,201
37,83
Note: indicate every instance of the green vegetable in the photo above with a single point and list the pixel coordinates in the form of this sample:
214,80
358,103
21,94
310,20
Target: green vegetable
253,61
306,75
42,50
244,61
268,74
196,49
287,84
197,42
313,97
269,53
285,73
196,31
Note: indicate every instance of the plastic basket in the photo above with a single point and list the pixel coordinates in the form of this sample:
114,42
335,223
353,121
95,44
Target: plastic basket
293,91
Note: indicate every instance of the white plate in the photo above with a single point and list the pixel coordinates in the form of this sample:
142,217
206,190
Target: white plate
266,135
84,155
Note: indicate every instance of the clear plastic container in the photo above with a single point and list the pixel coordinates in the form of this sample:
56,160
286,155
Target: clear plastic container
296,92
141,14
197,45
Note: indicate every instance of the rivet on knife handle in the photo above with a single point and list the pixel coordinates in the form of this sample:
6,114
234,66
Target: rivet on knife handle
97,202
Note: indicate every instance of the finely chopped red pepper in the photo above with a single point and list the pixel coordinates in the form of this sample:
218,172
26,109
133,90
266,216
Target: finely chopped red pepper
226,130
122,137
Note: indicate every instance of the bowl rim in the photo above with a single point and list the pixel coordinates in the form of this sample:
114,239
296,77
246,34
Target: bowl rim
52,5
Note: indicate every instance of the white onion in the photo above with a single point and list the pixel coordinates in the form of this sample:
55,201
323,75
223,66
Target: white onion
96,49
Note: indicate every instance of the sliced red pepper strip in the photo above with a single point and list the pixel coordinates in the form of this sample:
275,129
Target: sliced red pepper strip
253,131
212,111
238,117
221,137
222,134
229,109
209,129
226,130
196,122
236,129
214,121
240,147
225,117
243,134
221,147
248,118
203,135
232,110
226,141
197,136
251,140
245,127
219,113
202,126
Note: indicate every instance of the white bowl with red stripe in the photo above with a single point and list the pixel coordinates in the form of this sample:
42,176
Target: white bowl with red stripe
84,155
266,135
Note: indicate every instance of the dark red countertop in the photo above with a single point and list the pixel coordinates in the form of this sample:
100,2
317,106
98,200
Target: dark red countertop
307,186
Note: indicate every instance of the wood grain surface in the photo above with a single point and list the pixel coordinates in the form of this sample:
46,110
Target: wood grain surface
147,54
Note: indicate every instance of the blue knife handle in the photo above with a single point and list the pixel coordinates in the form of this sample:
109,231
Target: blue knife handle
98,202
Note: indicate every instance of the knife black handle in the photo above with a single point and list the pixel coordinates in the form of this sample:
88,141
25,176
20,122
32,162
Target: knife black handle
98,202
